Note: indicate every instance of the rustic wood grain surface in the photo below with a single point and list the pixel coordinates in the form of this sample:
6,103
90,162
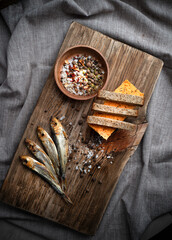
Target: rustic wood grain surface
91,192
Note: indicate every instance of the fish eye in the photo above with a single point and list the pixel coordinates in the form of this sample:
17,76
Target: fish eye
25,161
55,123
42,134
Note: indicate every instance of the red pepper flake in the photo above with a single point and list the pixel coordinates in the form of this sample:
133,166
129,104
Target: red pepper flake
81,61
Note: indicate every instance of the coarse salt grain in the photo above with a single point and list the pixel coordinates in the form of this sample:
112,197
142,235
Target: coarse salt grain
89,166
90,154
98,167
76,167
63,117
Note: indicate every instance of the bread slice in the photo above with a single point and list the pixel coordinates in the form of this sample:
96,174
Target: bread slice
120,97
111,123
114,110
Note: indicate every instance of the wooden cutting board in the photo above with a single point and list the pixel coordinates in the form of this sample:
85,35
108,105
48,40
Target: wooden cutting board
90,192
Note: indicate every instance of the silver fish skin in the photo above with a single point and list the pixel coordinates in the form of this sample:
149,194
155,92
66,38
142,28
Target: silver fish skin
50,148
41,156
42,171
61,141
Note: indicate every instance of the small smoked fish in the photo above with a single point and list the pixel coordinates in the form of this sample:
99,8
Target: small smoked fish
40,155
41,170
50,147
61,140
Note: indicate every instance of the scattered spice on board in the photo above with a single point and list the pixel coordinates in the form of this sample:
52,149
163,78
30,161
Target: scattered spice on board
80,122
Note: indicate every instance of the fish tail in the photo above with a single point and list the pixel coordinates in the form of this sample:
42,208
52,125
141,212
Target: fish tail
67,199
63,182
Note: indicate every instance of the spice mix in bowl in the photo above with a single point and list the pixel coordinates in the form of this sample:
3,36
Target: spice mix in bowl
80,72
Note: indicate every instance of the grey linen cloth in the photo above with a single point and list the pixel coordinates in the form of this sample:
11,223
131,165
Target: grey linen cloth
31,33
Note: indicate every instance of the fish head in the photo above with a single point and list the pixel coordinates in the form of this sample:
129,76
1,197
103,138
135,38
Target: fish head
27,161
42,134
55,125
31,145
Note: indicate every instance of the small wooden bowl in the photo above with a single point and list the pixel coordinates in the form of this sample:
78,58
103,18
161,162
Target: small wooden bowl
73,51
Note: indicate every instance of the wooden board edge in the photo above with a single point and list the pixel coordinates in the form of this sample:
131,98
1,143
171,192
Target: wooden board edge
143,109
120,41
21,140
48,218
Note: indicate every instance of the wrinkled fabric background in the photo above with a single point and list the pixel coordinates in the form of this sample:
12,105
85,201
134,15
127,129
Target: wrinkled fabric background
31,33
